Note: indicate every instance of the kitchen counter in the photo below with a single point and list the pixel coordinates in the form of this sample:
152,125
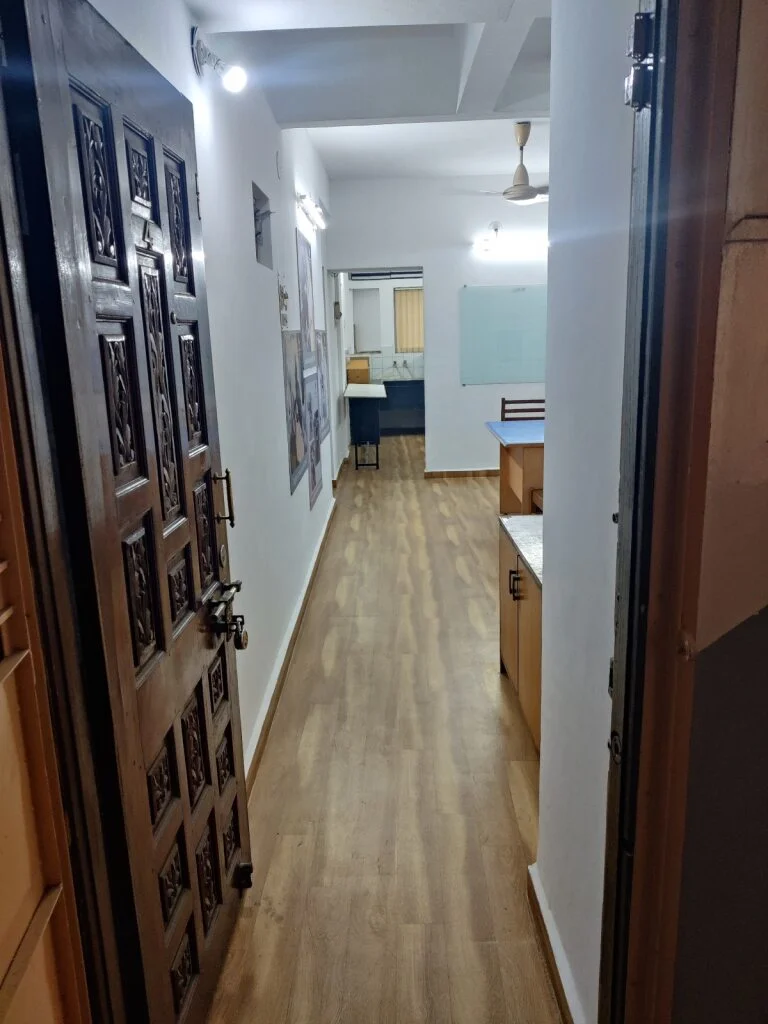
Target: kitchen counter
403,410
365,391
511,433
521,463
525,532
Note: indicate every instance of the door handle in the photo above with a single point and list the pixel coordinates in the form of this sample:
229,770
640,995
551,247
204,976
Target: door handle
226,476
514,584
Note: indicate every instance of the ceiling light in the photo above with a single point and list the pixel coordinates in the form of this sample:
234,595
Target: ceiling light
233,77
502,247
312,210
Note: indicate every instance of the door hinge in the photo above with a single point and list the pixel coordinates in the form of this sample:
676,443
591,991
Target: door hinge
610,678
197,196
637,87
639,82
3,55
641,42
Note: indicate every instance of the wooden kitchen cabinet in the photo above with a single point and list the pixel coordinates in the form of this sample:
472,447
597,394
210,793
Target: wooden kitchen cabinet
520,573
529,650
508,625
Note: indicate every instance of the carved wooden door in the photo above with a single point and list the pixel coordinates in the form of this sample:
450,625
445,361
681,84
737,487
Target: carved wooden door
119,156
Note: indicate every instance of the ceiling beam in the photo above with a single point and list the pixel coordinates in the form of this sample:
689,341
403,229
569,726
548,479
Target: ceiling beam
353,122
276,15
472,37
494,56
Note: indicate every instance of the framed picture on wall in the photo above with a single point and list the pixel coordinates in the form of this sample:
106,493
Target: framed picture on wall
323,383
312,433
306,302
293,381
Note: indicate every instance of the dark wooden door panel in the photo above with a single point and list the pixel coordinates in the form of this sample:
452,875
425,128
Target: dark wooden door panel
132,282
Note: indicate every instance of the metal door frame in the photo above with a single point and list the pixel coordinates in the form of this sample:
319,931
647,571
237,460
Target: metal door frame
680,172
645,298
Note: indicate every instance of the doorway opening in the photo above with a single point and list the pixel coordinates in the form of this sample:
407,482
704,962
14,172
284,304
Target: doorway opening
382,336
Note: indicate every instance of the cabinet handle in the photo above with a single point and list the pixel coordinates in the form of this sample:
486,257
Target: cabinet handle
514,584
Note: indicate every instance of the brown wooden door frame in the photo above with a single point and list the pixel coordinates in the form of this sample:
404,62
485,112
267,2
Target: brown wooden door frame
678,224
53,582
37,855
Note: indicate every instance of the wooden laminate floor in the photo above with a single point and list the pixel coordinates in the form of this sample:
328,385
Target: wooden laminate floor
394,811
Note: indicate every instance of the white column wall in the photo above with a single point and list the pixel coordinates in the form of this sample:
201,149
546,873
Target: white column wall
590,165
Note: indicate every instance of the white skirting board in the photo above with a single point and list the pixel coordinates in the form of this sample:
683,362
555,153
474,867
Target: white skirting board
253,741
558,951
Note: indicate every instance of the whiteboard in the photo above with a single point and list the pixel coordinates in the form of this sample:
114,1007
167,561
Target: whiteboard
503,334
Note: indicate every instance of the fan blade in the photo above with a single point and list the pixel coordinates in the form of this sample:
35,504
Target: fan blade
543,190
472,192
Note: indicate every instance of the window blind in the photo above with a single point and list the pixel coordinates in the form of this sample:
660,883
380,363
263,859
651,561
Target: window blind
409,319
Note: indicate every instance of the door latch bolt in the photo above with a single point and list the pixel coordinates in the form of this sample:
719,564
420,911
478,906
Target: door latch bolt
614,745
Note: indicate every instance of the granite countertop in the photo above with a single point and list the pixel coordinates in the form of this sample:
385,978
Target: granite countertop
525,532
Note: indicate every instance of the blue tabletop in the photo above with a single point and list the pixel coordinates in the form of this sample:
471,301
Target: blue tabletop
514,432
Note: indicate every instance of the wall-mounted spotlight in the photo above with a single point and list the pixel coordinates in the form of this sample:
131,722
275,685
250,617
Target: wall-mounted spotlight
312,210
233,77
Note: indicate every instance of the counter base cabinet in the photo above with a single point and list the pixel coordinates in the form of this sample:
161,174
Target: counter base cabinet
508,625
529,651
521,473
520,632
402,411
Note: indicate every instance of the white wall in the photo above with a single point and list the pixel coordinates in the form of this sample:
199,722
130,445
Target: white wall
431,223
274,544
588,227
302,172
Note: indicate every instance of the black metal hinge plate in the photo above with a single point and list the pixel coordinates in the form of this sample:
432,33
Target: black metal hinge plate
641,41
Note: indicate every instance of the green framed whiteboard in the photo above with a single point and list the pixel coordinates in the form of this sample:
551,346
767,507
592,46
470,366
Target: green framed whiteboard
503,334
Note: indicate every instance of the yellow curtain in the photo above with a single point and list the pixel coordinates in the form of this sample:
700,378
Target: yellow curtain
409,319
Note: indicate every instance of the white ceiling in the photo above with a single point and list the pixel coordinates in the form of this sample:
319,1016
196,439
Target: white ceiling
431,150
272,15
341,62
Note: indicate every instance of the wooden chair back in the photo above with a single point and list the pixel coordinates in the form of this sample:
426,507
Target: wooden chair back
522,409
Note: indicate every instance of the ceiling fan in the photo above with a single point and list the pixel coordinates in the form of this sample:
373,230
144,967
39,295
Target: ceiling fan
521,191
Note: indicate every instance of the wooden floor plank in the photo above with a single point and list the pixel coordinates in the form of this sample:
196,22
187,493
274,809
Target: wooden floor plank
393,813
